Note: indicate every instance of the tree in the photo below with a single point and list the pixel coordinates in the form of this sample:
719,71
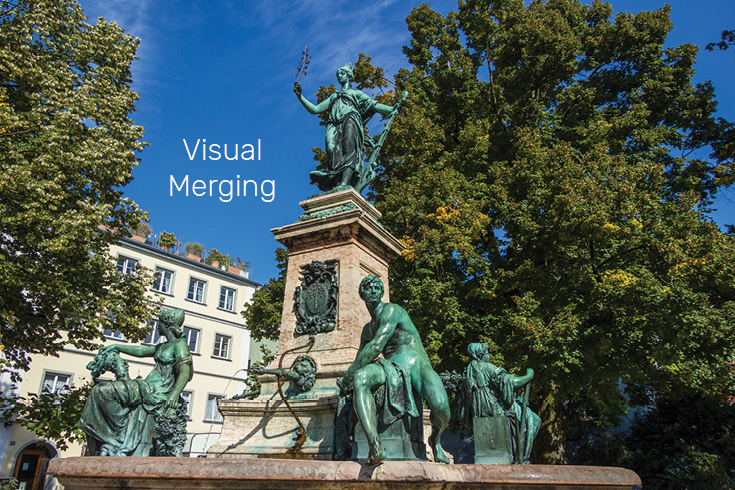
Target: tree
551,176
727,40
677,444
52,415
67,145
263,314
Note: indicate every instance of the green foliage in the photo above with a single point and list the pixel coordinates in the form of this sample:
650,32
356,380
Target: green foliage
10,484
143,229
547,179
252,383
51,416
728,39
167,240
263,314
215,255
67,145
678,444
194,248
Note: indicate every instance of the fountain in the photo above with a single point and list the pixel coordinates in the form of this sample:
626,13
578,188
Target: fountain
293,433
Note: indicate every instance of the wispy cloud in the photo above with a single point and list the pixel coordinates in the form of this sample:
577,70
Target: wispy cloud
136,17
336,31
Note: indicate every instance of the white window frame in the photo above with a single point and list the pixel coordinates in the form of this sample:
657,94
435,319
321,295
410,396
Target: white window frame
126,267
155,334
193,280
114,334
56,374
187,329
215,416
215,348
223,304
189,402
158,276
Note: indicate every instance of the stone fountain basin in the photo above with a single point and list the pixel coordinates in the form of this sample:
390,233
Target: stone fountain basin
291,474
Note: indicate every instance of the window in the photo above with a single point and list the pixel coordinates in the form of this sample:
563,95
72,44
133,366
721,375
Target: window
113,334
186,395
126,265
227,299
192,338
55,382
162,281
212,413
221,346
196,290
154,337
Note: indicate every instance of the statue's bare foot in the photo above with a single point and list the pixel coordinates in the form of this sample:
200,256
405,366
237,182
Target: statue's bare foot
376,456
436,448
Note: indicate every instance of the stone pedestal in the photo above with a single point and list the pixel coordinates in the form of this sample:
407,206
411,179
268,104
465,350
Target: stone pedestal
492,440
272,474
397,439
341,227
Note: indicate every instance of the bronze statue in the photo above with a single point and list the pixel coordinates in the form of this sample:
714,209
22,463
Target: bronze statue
489,393
302,373
405,367
119,415
345,141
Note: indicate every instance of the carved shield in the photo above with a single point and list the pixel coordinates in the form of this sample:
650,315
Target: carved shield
316,297
315,300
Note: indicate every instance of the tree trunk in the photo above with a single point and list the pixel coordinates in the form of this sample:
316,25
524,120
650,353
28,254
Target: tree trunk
549,447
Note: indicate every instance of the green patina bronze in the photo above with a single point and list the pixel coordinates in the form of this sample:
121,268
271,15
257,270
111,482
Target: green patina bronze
322,214
349,110
503,425
120,416
302,373
315,299
400,379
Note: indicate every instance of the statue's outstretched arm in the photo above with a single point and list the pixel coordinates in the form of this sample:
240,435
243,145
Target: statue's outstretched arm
384,109
132,350
313,109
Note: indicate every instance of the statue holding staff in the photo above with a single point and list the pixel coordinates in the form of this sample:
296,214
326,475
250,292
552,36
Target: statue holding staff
489,393
349,109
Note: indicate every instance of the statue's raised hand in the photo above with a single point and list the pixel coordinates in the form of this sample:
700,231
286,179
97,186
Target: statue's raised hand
297,88
529,372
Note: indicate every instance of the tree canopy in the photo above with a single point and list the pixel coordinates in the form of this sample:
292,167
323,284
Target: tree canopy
67,146
551,176
263,314
683,443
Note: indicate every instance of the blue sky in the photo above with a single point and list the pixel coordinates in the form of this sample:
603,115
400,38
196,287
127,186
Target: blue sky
223,71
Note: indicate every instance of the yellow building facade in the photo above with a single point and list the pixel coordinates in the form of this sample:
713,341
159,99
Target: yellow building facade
218,338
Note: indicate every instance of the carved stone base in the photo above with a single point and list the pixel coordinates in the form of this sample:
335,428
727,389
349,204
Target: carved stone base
265,427
341,227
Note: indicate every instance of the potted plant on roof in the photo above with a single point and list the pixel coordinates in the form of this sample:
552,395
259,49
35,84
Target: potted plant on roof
141,232
167,240
242,268
215,258
194,251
